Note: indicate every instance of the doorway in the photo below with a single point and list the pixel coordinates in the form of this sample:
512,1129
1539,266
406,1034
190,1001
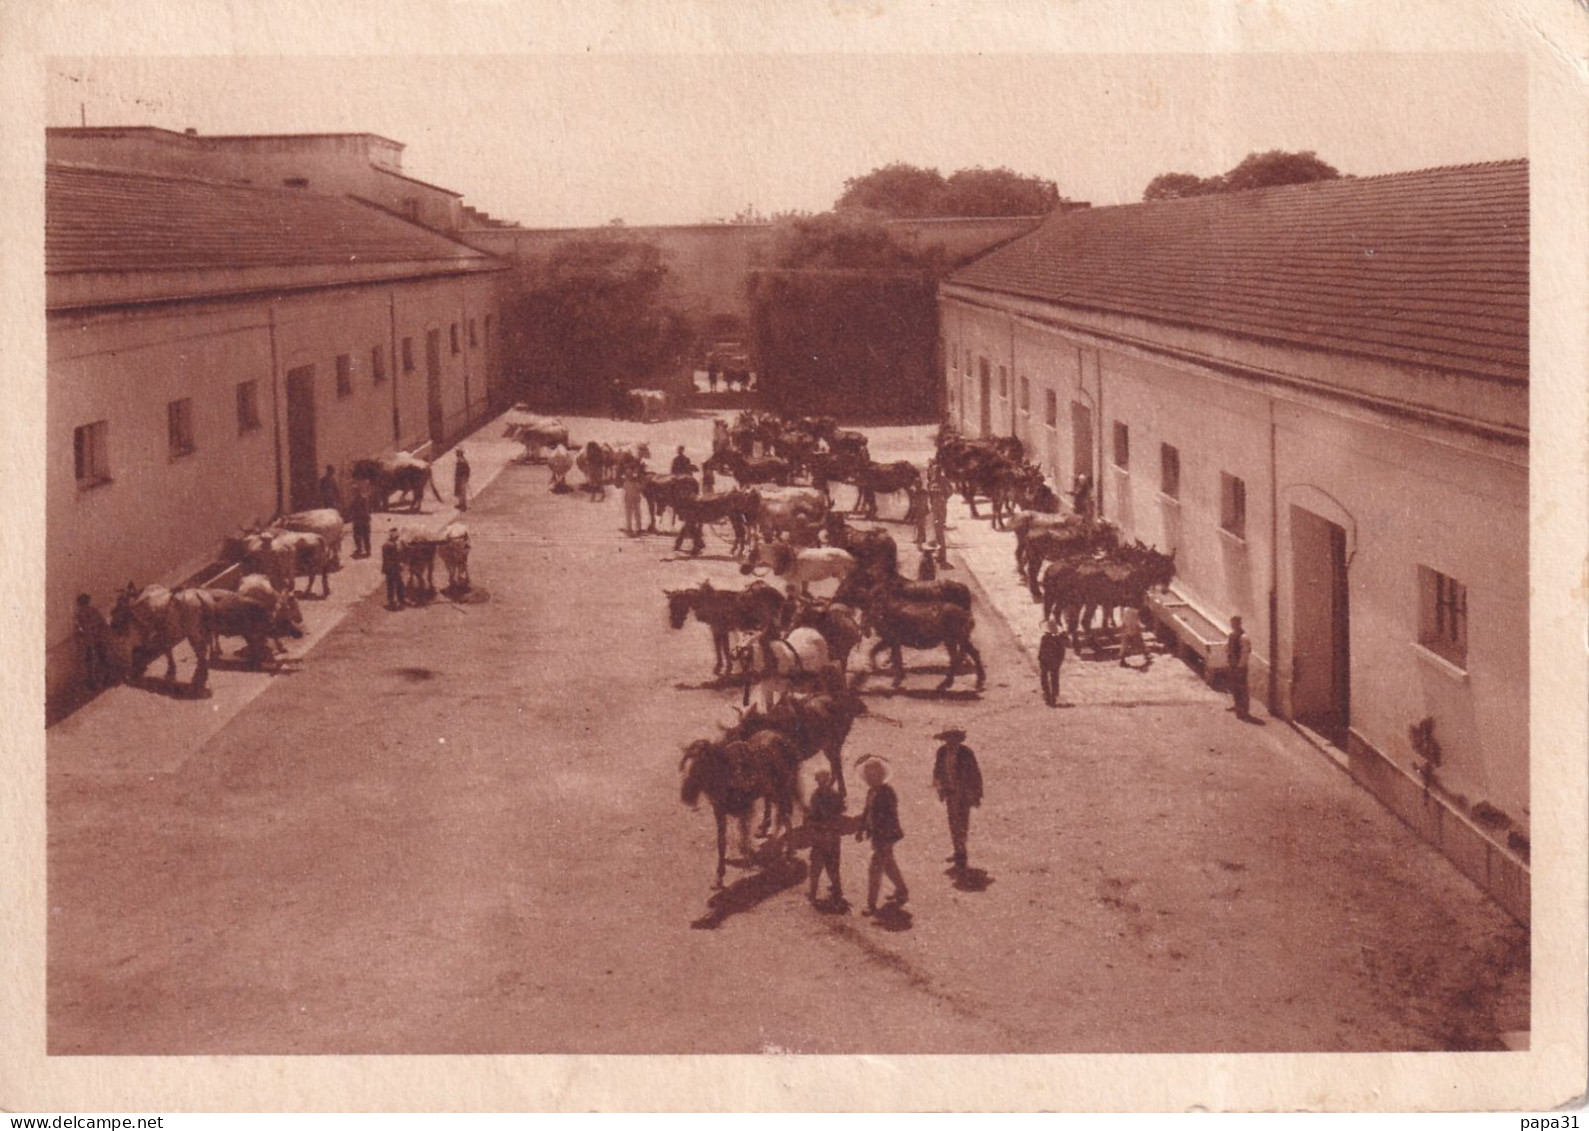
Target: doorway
1321,667
1080,439
303,465
438,421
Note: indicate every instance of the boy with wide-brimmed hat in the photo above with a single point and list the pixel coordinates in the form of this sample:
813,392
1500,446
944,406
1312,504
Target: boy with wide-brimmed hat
958,779
1050,655
880,822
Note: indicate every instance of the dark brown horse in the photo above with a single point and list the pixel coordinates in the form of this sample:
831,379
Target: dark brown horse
664,492
733,774
748,470
756,608
1075,587
694,514
1085,536
923,625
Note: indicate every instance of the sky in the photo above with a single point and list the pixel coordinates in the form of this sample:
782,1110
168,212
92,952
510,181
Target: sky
563,140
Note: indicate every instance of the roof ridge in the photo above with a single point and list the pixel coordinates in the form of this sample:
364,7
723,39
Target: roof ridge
185,178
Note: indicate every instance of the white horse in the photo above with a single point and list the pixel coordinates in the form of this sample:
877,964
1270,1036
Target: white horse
777,663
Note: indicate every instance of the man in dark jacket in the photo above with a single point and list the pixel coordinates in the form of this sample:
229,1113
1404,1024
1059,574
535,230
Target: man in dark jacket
1050,655
392,570
359,516
460,480
958,780
330,490
880,822
824,819
681,464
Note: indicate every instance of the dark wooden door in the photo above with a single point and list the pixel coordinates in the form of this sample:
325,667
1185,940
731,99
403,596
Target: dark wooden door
438,419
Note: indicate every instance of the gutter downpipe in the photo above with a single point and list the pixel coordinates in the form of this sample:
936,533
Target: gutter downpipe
1274,567
275,409
1101,461
397,368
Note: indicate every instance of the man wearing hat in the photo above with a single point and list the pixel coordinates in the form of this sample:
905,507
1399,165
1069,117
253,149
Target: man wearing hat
880,821
958,780
824,819
1050,655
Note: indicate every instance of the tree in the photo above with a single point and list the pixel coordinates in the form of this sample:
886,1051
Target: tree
1256,170
997,192
850,241
897,190
594,308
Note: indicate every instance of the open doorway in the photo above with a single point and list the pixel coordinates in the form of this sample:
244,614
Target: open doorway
1321,626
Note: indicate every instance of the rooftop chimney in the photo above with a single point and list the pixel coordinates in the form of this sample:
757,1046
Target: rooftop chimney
191,132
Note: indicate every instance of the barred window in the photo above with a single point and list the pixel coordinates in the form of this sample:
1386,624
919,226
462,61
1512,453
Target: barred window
377,365
408,355
344,375
248,418
1122,447
1443,615
1026,395
1170,470
1232,505
1051,408
179,427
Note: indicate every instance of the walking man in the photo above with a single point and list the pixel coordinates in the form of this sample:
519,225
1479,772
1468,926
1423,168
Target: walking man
1131,642
330,491
1050,655
1238,650
359,516
392,570
880,822
958,779
824,818
460,480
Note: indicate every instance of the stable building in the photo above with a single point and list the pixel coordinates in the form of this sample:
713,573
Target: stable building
1317,397
213,346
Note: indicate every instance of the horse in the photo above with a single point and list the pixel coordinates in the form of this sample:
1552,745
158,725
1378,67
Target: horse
324,521
1084,536
870,478
735,773
560,463
160,619
406,474
256,613
594,463
283,556
792,511
814,724
748,470
663,492
1078,585
922,625
777,663
756,608
694,513
861,590
799,568
875,552
839,624
453,550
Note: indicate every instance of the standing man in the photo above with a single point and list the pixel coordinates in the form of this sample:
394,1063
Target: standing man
359,516
958,779
632,494
330,491
1050,655
1131,642
460,480
1081,494
938,503
92,633
880,822
711,375
917,512
1238,650
824,818
681,464
392,570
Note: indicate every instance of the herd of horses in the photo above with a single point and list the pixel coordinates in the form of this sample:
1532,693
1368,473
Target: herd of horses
796,648
153,620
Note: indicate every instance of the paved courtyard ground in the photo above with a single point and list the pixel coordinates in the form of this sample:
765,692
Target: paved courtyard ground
457,829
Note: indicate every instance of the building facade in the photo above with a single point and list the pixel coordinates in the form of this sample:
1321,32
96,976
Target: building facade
213,347
1317,397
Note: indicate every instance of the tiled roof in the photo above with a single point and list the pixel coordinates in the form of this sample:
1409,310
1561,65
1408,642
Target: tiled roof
102,221
1427,268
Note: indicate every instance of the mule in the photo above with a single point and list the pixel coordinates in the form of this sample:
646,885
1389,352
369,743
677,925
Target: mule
733,774
923,625
779,663
147,622
756,608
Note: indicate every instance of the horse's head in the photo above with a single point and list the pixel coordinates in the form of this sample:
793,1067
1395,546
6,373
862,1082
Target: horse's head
680,602
693,767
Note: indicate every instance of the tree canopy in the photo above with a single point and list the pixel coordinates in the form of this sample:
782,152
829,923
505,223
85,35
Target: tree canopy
1256,170
595,308
904,191
847,241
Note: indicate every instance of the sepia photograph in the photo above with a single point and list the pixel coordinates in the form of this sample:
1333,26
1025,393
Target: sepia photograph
787,554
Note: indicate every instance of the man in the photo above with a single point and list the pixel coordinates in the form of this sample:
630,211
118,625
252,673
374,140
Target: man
681,464
92,632
392,570
359,516
938,504
958,780
1131,642
1081,494
1050,655
460,480
633,480
1238,650
824,818
330,491
880,822
711,375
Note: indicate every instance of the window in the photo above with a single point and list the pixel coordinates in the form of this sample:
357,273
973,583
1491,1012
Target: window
408,355
474,341
1170,470
1051,408
1026,395
91,453
247,407
452,337
344,375
1443,616
378,365
1232,505
1004,382
1122,447
179,427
